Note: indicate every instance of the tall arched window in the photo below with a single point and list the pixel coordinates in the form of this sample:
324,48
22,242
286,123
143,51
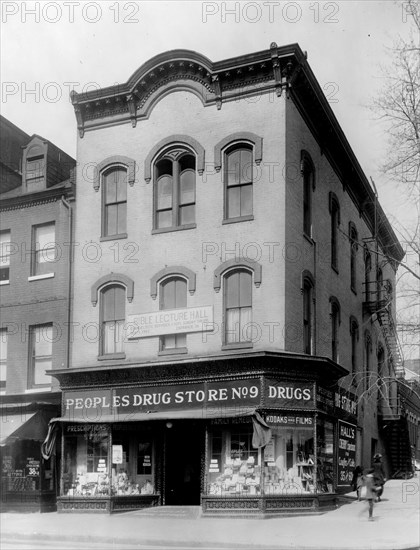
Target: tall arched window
173,295
308,175
353,255
308,291
367,357
335,221
379,284
175,189
381,361
238,181
114,202
238,306
368,268
112,313
354,334
335,322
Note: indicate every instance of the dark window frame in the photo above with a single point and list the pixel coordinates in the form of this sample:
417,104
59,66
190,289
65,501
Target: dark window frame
308,316
174,156
106,206
244,184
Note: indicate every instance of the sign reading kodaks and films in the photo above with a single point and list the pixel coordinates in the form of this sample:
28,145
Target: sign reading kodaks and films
215,396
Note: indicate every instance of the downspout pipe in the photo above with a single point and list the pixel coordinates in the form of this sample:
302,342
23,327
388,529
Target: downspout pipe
69,277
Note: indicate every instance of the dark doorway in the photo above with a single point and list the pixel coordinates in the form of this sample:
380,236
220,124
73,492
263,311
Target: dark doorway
183,463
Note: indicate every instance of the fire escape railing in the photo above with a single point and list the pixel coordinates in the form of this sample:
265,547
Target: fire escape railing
378,301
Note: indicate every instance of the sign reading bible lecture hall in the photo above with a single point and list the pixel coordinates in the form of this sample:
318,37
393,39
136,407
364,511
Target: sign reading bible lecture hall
170,321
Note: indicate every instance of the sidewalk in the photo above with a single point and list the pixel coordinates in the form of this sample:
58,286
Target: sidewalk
396,526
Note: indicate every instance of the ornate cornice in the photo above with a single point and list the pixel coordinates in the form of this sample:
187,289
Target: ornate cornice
29,200
213,83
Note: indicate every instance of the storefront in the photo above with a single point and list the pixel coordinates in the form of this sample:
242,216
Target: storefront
28,481
237,444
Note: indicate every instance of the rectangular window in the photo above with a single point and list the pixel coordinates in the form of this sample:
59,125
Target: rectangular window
40,340
44,250
115,202
238,307
238,183
4,256
3,358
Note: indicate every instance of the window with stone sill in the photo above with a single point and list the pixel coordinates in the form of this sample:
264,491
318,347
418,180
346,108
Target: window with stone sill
114,201
4,256
238,306
174,190
238,177
44,249
112,313
173,295
40,342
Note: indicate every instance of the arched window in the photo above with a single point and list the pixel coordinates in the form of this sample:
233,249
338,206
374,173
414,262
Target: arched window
368,268
237,306
381,361
114,202
379,284
308,314
367,355
173,295
354,334
335,322
175,189
335,221
112,314
353,255
238,181
308,175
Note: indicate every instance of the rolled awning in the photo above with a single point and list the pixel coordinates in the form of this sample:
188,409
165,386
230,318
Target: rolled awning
13,427
227,412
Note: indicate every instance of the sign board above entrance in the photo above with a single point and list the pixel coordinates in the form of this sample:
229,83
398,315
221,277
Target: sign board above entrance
170,321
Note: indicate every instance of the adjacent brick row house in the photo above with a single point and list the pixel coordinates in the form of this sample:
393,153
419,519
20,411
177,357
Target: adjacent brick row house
35,216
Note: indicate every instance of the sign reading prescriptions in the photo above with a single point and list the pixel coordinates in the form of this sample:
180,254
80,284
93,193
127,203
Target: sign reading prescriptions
170,321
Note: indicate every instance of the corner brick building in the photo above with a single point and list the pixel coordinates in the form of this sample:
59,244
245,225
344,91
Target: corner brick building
232,328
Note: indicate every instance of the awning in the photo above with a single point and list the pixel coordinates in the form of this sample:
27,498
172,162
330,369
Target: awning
228,412
261,431
13,427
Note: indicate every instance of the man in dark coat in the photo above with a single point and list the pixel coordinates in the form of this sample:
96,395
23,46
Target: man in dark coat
378,475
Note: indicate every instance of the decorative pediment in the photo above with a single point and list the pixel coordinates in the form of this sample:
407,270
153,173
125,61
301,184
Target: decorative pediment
184,70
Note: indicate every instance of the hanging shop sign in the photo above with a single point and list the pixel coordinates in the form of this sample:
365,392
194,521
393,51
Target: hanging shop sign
295,420
170,321
218,397
338,402
346,452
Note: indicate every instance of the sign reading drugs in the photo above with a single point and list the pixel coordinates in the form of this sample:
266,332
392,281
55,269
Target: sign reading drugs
170,321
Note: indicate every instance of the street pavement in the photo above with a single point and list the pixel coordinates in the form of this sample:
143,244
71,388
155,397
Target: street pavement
396,526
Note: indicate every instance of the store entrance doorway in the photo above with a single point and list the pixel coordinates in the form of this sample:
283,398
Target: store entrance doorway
183,463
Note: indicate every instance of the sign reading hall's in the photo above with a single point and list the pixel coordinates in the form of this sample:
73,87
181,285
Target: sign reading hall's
170,321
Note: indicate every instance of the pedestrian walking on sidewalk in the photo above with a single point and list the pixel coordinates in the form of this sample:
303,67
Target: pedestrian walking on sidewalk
378,475
369,484
357,481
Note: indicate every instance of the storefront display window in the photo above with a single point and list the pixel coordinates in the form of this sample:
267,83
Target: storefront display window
93,467
325,456
85,461
289,462
234,467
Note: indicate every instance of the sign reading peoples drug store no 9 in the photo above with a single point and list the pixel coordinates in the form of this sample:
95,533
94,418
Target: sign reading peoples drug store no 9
216,396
